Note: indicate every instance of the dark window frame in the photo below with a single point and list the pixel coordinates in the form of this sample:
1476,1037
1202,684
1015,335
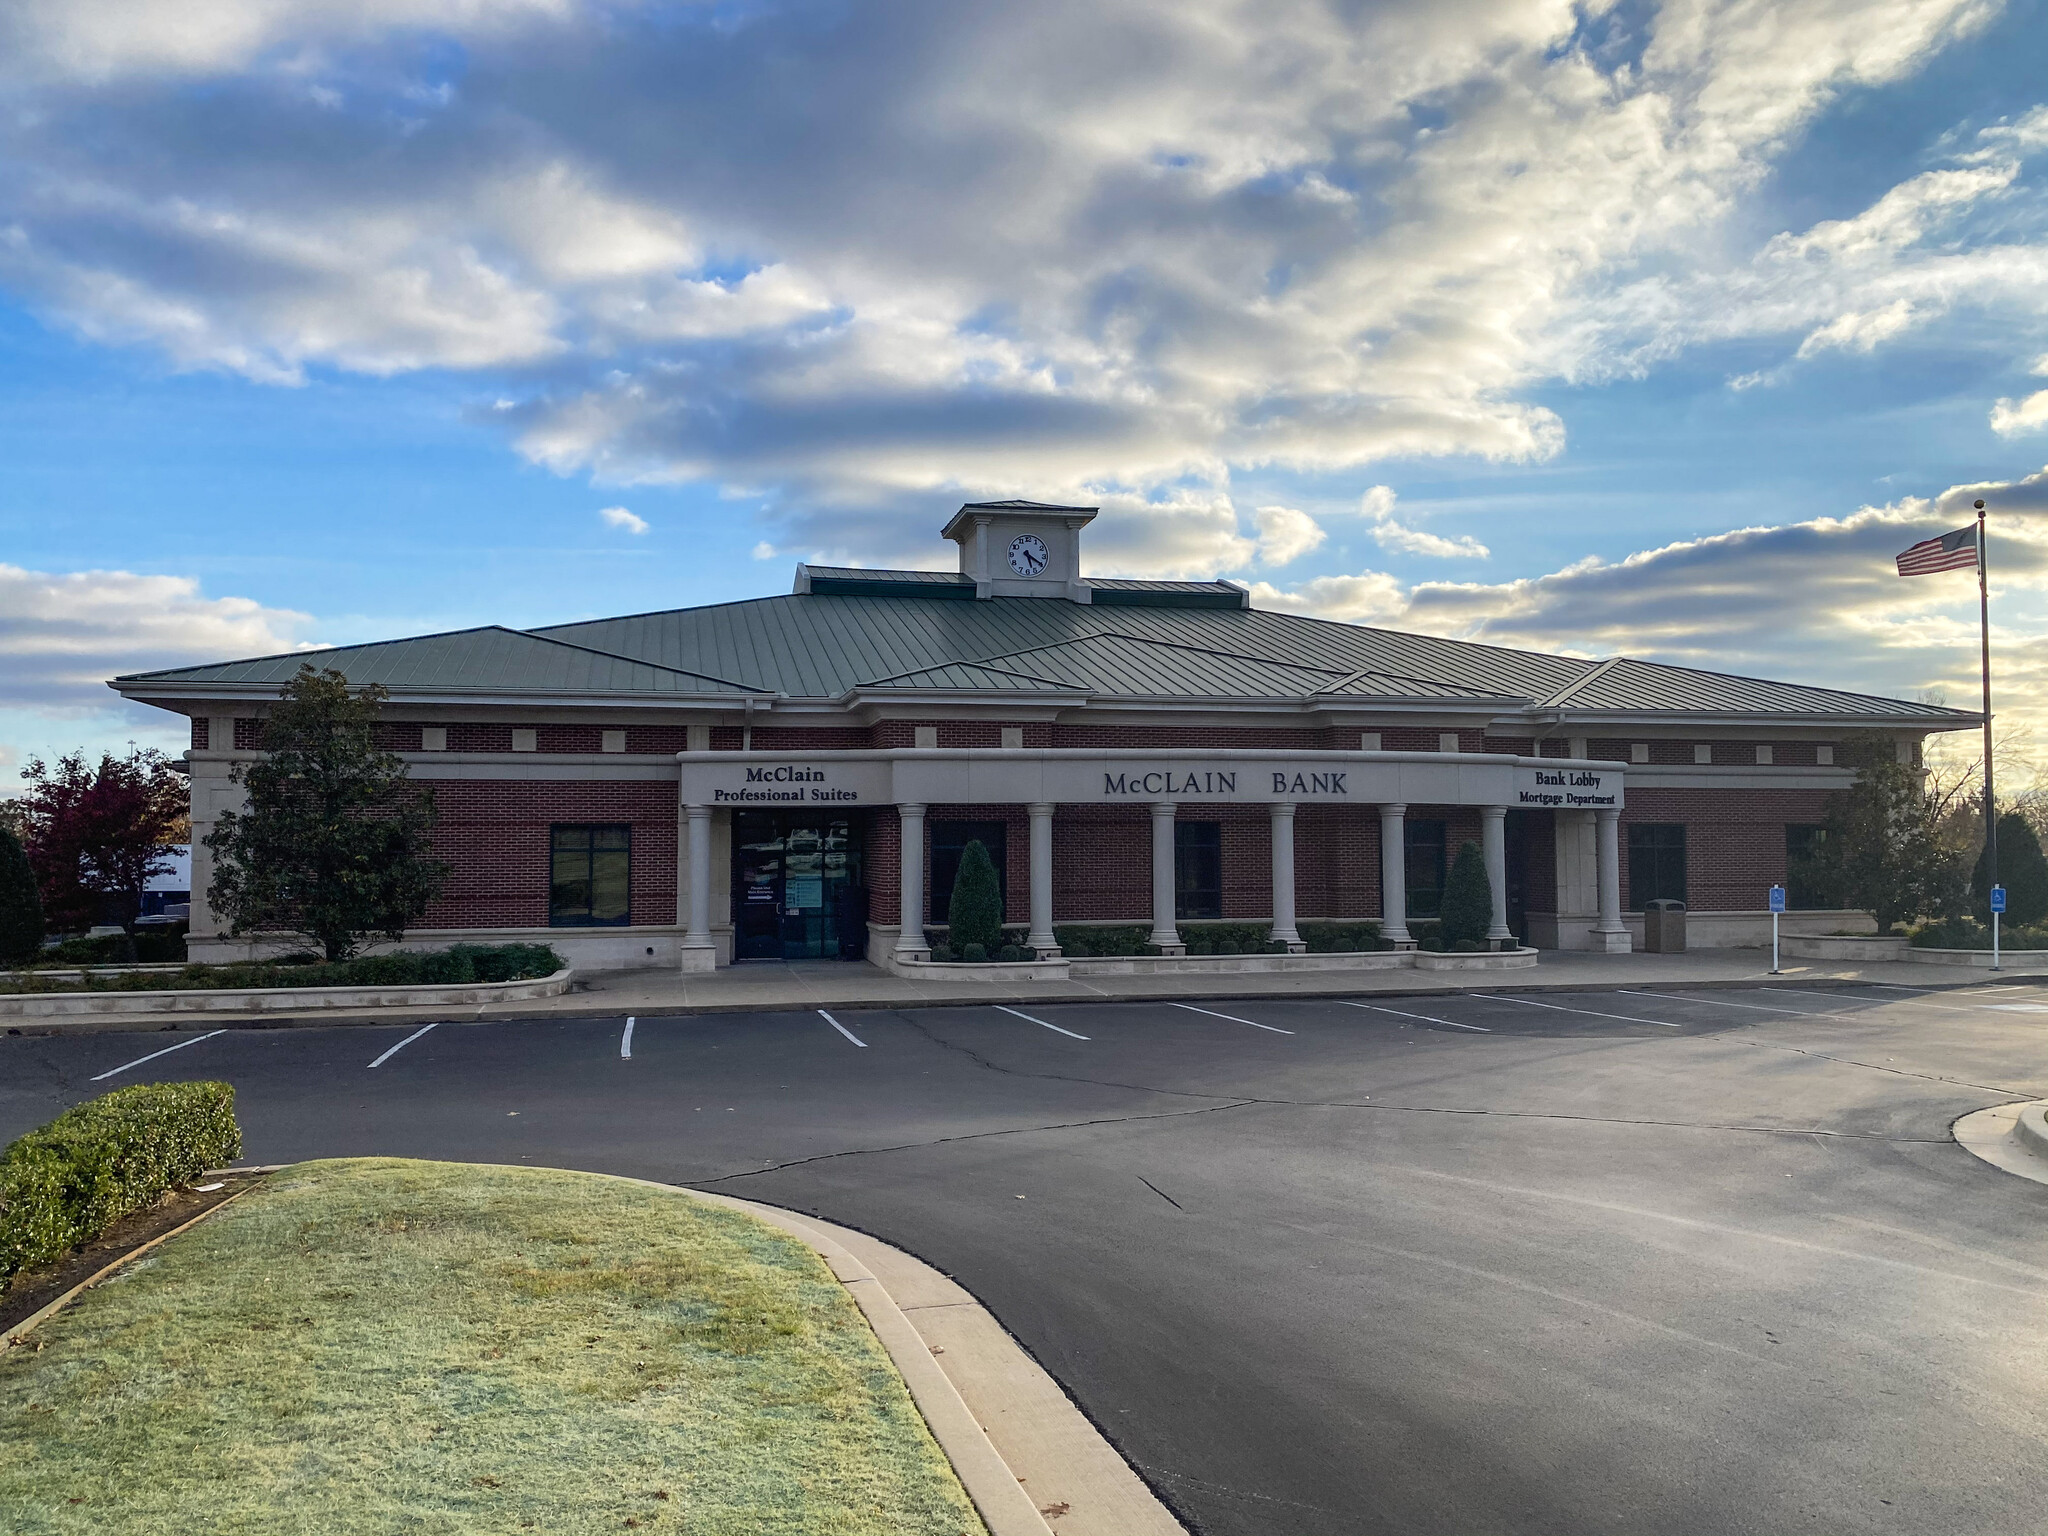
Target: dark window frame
1197,869
1801,839
1657,863
586,914
1425,865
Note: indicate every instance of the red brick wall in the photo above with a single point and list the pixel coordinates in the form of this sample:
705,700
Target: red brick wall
811,738
1796,754
495,833
1139,738
248,735
1734,840
202,729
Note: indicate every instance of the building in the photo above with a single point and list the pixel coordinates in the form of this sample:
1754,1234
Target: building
790,776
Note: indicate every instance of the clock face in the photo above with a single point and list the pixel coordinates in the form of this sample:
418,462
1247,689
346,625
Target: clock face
1028,554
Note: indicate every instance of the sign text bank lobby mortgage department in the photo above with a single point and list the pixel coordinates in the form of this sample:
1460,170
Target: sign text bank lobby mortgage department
796,776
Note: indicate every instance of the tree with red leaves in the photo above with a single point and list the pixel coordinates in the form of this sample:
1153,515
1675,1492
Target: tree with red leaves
96,835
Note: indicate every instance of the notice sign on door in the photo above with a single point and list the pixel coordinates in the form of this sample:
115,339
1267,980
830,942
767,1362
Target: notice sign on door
804,893
1578,789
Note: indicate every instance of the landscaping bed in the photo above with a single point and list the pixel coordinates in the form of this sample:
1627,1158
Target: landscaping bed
462,965
373,1345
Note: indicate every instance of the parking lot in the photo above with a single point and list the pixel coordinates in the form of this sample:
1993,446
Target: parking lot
1632,1260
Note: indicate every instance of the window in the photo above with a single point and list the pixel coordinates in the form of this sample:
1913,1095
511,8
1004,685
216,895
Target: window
590,885
949,841
1198,869
1425,860
1656,863
1805,890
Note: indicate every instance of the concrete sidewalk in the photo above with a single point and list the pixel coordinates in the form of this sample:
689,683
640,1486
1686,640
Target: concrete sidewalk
777,987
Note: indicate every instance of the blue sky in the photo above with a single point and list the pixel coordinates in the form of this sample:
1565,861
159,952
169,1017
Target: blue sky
1642,328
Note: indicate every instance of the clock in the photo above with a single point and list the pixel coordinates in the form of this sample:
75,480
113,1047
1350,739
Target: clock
1028,555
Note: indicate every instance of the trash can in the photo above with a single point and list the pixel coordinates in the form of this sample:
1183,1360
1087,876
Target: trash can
1664,927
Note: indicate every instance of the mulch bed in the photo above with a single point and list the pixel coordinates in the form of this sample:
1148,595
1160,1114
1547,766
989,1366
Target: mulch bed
34,1289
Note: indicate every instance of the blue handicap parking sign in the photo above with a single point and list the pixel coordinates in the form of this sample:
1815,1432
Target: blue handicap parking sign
1777,898
1998,898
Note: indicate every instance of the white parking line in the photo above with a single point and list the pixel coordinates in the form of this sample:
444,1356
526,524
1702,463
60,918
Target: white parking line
1881,1002
856,1039
1591,1013
408,1040
1480,1029
626,1042
1722,1002
1270,1029
152,1056
1039,1022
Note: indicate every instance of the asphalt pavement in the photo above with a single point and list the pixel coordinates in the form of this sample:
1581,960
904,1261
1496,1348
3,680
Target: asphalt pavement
1627,1260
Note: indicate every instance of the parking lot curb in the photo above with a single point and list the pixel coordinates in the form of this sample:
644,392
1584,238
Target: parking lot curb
648,1009
2013,1137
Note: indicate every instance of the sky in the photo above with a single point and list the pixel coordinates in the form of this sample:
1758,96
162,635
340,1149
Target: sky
1603,328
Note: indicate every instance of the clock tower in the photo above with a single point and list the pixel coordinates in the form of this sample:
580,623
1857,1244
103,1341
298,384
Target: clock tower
1021,548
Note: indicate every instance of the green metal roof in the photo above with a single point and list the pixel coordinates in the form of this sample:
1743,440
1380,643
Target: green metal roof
825,646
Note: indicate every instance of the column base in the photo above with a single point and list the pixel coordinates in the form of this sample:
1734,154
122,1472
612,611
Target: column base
1611,943
1170,951
1046,951
697,957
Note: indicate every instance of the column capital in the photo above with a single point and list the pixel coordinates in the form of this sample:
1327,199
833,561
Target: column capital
1164,808
1281,807
1492,812
1393,810
1039,808
909,808
694,809
1606,815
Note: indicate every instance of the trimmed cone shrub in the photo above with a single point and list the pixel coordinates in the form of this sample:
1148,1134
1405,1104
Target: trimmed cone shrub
106,1158
975,914
21,907
2021,870
1468,899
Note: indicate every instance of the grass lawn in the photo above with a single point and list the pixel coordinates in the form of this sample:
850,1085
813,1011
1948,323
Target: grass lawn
375,1345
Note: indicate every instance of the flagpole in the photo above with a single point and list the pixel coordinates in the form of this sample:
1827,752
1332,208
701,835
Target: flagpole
1984,643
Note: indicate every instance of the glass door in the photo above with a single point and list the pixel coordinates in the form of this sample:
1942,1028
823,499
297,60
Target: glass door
792,877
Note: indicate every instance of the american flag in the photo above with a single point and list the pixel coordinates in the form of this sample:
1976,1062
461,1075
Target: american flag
1951,552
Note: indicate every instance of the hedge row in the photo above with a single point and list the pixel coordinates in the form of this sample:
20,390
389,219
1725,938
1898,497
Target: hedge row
459,966
1202,938
67,1183
1968,933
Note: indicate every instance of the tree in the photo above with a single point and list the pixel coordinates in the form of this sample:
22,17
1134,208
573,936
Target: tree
1884,850
96,835
1467,912
2021,870
975,914
21,907
334,843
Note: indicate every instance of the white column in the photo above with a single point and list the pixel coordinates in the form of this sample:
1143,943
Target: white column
1394,874
910,944
1608,933
699,952
1165,937
1283,878
1493,845
1040,939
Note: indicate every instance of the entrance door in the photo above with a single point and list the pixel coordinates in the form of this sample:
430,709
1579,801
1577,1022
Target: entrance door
791,874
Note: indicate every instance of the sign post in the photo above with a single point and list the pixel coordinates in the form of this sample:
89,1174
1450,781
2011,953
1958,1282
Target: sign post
1777,906
1997,911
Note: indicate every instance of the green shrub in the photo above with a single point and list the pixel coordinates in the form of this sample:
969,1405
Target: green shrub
107,949
1208,938
68,1182
975,914
942,954
160,943
974,954
1097,943
2021,870
1012,953
462,965
1968,933
21,905
1342,938
1468,899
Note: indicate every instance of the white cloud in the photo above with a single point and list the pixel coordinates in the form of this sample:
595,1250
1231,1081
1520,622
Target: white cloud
1089,244
1377,504
2009,418
619,517
1285,535
1817,601
764,551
